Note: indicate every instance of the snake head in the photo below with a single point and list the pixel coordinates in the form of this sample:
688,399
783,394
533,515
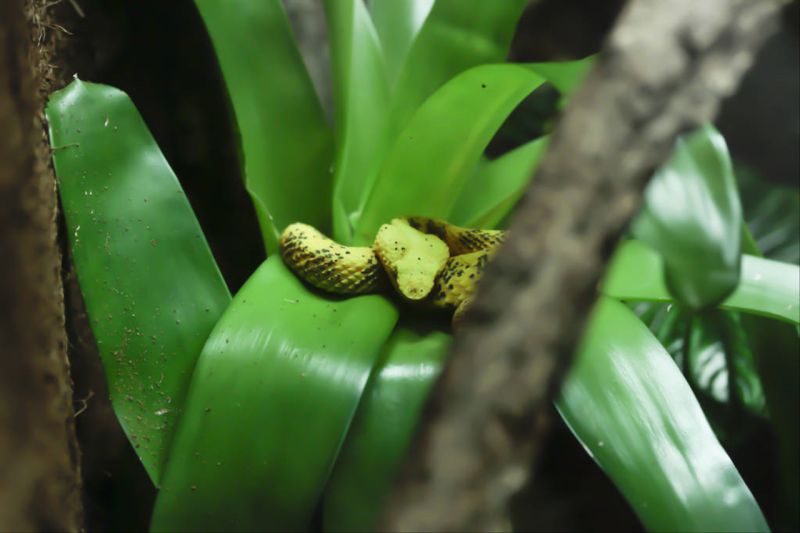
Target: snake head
411,258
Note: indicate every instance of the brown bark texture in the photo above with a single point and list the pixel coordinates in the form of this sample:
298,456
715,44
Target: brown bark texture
664,70
39,473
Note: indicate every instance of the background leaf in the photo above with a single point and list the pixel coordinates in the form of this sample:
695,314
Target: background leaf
767,288
397,23
376,445
773,216
776,346
285,141
664,458
717,360
151,286
566,76
495,186
456,36
426,168
361,96
692,216
273,394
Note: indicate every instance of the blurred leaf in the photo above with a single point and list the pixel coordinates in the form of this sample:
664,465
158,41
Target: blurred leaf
566,76
692,216
362,97
151,286
383,427
286,144
627,402
718,349
456,36
434,155
272,397
495,186
767,288
397,23
773,216
776,346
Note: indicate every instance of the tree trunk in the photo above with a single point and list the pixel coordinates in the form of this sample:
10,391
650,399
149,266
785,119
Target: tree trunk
39,459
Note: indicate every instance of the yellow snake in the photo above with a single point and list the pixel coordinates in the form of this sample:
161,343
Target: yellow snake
426,260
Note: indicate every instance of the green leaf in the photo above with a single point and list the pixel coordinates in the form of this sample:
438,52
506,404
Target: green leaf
627,402
397,23
495,187
692,216
773,216
273,394
286,144
566,76
361,94
776,346
434,155
767,287
718,360
151,286
456,36
384,425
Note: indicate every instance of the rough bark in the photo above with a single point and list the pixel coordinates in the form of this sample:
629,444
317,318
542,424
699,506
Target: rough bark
664,70
39,475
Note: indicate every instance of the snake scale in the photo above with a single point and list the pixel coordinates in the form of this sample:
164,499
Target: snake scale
425,260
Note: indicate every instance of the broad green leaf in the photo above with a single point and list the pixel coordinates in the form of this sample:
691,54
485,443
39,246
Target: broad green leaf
495,186
384,425
456,36
692,216
773,216
271,399
627,402
433,157
151,286
566,76
286,144
397,23
768,288
361,94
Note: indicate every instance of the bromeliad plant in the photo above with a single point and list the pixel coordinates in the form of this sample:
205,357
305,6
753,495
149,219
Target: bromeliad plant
258,411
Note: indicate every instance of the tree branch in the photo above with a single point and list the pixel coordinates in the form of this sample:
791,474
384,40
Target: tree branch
664,70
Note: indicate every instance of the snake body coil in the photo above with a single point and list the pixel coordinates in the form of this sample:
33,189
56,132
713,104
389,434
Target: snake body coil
426,260
328,265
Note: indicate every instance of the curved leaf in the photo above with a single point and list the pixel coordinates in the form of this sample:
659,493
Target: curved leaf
495,187
432,158
456,36
692,216
627,402
768,288
285,141
566,76
151,286
270,402
362,96
383,426
397,23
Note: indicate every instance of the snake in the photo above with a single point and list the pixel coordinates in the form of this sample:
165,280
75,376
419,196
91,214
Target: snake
427,261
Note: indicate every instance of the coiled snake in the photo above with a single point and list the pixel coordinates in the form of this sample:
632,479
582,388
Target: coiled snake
426,260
